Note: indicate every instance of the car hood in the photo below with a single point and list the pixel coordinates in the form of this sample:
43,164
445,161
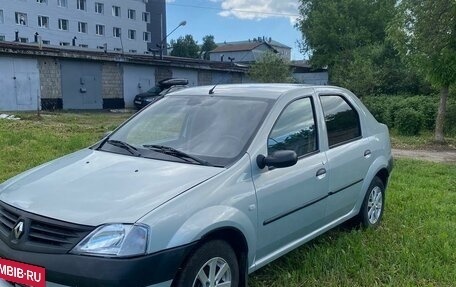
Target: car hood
94,187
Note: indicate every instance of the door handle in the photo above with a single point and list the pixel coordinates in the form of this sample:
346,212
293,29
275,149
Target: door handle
367,153
321,173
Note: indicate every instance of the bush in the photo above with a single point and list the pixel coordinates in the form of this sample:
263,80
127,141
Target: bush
408,122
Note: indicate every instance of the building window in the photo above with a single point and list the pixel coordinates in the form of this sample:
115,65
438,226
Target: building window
132,34
21,18
132,14
23,40
46,42
101,47
64,44
116,11
1,17
100,30
82,27
81,5
63,24
43,22
2,38
62,3
146,17
133,51
118,49
99,8
41,1
116,32
146,37
83,46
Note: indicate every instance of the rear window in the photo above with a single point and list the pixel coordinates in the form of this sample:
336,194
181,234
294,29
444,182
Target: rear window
342,120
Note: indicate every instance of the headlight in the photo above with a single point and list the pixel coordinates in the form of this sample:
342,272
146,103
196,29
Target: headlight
118,240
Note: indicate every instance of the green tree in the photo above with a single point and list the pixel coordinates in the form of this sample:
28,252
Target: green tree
271,68
185,47
425,34
349,37
208,45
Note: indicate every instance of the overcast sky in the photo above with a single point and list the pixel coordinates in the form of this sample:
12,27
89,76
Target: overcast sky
235,20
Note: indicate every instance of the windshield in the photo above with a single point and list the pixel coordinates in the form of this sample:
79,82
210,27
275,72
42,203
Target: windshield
216,130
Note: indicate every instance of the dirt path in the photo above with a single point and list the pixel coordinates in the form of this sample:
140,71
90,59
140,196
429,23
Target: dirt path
429,155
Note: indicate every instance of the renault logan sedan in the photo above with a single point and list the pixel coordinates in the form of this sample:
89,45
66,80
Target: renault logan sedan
200,189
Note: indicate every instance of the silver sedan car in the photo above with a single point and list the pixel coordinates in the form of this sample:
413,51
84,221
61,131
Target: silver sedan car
199,189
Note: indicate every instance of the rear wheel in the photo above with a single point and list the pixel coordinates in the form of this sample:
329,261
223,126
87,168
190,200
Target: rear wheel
214,264
371,212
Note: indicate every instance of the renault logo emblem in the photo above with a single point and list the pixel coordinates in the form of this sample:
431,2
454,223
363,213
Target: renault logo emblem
18,230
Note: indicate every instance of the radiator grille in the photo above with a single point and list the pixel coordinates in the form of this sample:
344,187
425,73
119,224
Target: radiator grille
41,234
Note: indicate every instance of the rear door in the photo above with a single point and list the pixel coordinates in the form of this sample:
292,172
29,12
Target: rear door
349,154
291,200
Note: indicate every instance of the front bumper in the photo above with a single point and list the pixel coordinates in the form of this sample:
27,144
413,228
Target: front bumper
89,271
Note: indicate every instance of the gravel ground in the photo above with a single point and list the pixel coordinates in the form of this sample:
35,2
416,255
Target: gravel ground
429,155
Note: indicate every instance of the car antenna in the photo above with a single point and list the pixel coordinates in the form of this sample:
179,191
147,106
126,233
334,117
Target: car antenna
211,91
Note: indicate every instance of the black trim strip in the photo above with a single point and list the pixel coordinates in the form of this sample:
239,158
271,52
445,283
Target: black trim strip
345,187
282,215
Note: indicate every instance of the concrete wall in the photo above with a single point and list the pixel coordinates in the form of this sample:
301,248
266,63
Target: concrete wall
112,85
75,79
190,75
20,84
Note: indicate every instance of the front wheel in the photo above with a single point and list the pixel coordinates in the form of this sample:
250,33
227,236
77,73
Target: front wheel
371,212
214,264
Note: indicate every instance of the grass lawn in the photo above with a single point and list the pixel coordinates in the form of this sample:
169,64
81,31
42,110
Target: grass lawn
415,245
423,141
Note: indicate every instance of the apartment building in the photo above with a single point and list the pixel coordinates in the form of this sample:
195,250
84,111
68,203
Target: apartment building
111,25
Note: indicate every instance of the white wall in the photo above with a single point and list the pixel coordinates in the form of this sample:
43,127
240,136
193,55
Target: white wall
53,34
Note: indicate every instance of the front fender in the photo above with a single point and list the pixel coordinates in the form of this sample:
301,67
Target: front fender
213,218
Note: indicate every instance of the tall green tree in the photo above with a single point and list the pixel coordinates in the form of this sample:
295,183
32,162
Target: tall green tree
208,45
349,37
271,68
425,34
185,47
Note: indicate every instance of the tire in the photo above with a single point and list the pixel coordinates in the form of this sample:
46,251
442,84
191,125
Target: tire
213,254
371,212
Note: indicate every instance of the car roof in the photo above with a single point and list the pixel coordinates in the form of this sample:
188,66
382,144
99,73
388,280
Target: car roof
268,91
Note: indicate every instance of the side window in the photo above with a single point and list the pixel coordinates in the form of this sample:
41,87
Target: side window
295,129
342,121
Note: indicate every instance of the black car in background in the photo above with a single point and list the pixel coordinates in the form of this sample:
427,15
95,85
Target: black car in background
156,93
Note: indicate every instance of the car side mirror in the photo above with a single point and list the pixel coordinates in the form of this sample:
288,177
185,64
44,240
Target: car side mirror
278,159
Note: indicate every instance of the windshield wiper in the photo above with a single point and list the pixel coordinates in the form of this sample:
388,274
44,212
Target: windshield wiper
126,146
176,153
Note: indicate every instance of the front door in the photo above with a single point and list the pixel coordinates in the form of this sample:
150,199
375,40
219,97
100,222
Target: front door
291,201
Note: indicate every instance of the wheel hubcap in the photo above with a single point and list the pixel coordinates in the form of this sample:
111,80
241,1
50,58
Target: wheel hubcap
374,205
214,273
